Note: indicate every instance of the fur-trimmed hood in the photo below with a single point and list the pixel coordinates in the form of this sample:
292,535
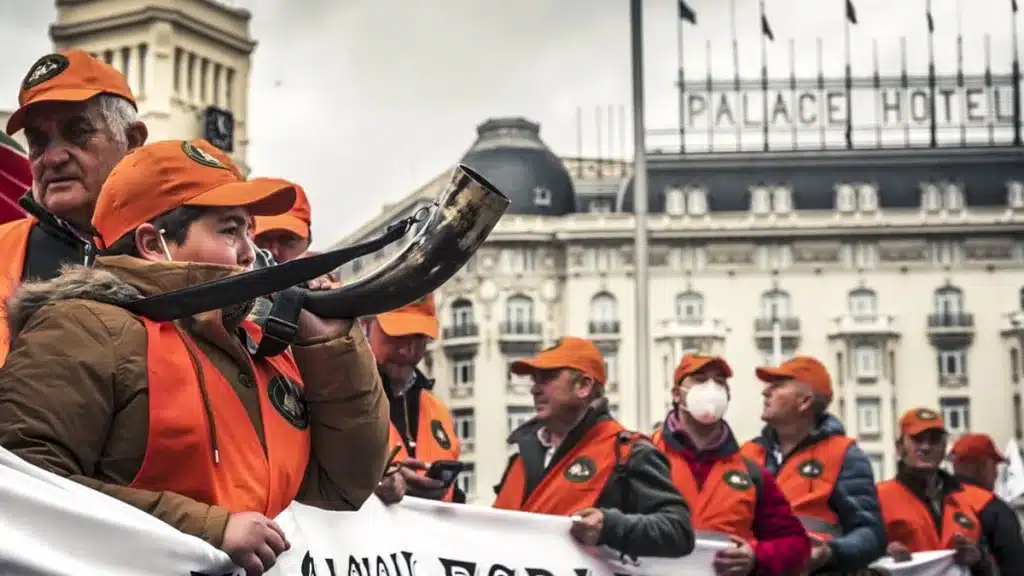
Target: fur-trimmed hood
112,280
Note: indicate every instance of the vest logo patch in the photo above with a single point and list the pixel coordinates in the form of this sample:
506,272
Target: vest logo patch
963,520
287,399
811,468
201,156
437,431
44,69
580,470
738,480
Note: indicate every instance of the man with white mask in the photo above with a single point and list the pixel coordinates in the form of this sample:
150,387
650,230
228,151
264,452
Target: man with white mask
731,496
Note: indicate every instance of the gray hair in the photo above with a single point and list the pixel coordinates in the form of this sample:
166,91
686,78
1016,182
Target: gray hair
819,401
819,404
117,113
596,391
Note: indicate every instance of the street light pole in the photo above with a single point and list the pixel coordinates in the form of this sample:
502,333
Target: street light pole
643,381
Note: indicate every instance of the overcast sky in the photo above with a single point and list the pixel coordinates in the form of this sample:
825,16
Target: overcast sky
362,101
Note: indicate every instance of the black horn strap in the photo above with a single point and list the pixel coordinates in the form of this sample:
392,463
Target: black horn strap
247,286
282,323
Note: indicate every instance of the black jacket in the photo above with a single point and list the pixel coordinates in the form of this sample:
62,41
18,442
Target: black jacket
1001,530
52,243
644,513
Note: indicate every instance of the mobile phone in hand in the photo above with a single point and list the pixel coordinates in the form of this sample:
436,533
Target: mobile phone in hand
446,471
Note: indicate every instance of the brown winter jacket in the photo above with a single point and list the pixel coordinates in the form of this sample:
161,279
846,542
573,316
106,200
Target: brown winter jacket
74,398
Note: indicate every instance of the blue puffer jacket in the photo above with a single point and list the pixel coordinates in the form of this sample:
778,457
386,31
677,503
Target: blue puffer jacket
854,499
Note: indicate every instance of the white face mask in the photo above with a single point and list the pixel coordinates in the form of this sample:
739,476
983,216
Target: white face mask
706,402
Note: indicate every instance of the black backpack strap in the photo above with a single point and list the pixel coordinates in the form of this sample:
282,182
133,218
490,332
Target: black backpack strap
281,324
756,476
623,446
504,475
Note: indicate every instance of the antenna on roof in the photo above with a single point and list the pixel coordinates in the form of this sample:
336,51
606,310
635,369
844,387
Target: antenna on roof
622,139
579,142
611,134
597,117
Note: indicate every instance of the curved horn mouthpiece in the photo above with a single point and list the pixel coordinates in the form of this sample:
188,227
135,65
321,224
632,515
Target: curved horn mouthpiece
457,224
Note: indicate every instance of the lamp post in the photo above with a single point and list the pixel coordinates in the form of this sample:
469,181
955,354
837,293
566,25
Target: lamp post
643,381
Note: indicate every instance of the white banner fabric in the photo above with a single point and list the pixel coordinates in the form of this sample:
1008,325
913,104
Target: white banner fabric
53,526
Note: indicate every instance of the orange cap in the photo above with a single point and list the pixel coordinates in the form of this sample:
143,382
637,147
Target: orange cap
297,220
693,363
420,317
918,420
157,178
976,447
221,156
802,368
71,76
570,352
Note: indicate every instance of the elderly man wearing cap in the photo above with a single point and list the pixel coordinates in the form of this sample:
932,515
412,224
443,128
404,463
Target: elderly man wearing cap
179,418
80,119
730,495
825,476
924,507
575,460
976,463
287,236
422,430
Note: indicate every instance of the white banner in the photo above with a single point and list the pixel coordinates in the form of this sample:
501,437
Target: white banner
52,526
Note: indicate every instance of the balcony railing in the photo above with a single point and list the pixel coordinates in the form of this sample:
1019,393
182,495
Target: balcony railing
960,320
520,328
461,330
786,324
604,326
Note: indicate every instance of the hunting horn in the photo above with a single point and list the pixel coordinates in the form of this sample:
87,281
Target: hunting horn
457,223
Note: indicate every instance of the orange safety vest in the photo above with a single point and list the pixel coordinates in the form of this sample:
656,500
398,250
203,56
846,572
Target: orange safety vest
728,501
576,481
201,442
807,479
435,436
908,521
976,496
13,245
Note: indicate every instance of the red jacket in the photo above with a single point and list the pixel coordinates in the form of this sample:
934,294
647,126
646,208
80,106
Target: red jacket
783,546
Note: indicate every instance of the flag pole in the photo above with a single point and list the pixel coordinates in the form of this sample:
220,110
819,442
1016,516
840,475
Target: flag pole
934,139
1016,78
736,70
681,81
764,78
849,15
643,381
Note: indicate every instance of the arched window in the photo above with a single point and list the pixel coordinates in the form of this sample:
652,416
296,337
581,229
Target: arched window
775,304
846,199
519,315
675,201
949,301
782,201
462,318
604,314
697,202
863,303
690,307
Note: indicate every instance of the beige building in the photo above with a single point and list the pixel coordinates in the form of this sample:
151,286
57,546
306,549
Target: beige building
902,270
181,57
